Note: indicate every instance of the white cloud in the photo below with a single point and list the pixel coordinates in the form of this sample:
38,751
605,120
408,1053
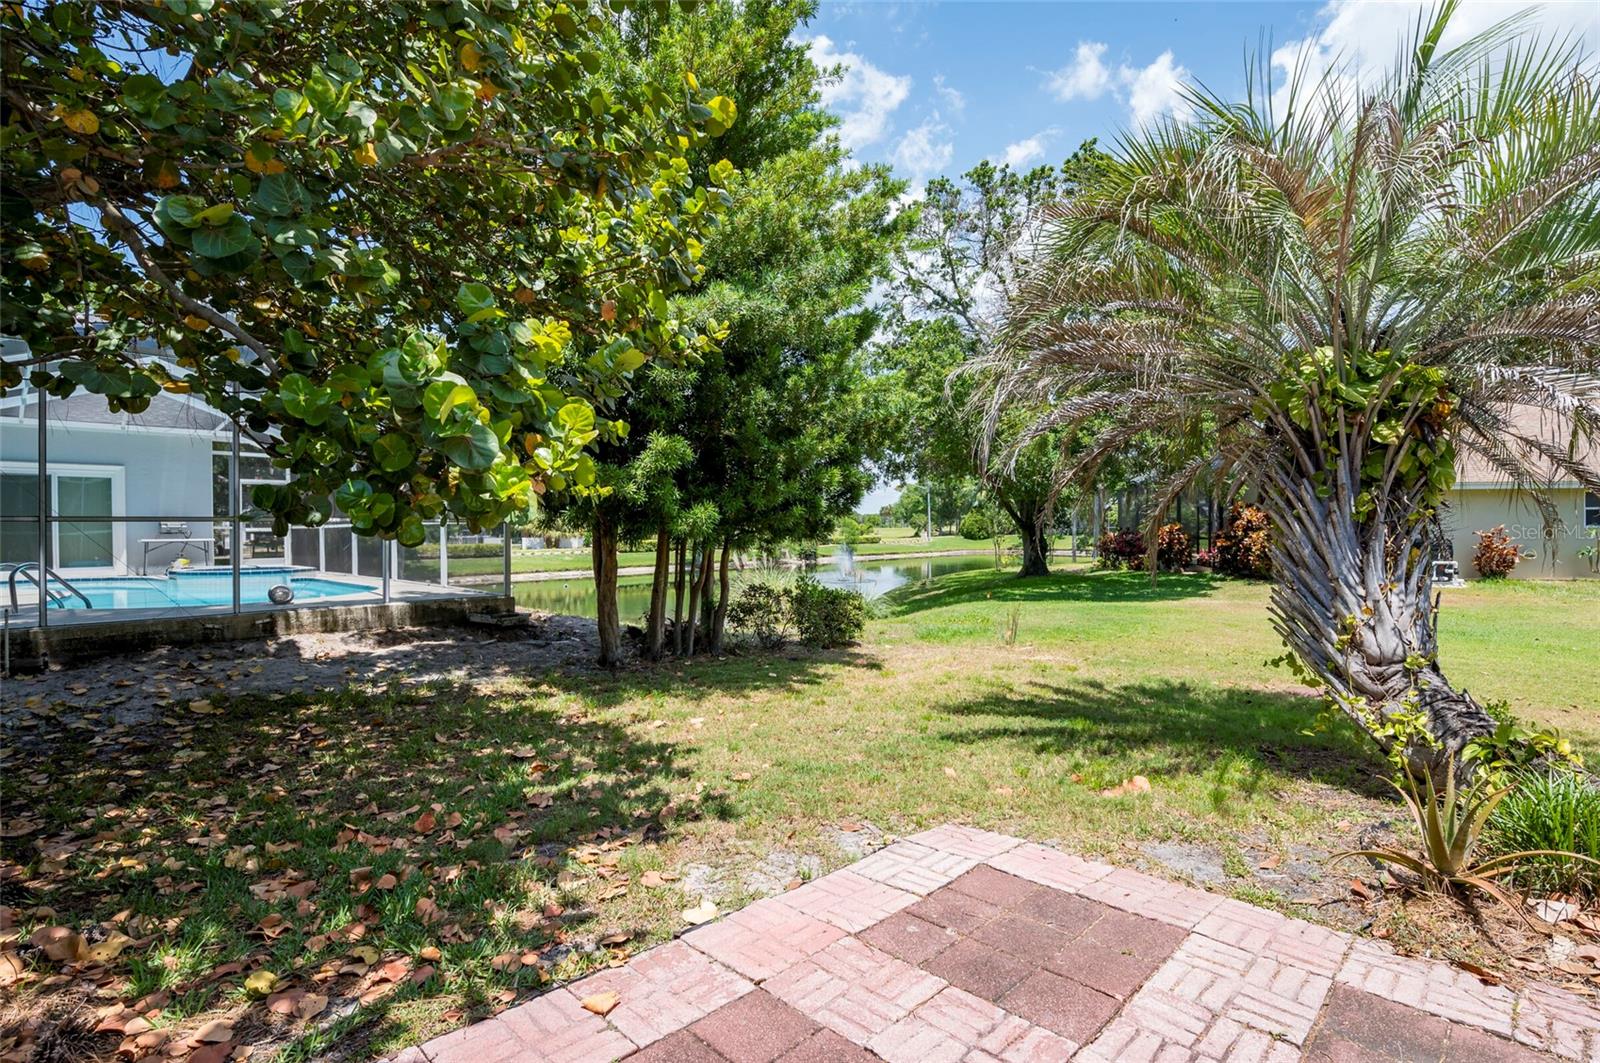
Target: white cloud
1358,40
1024,151
1150,91
864,96
1156,90
1085,78
952,97
923,152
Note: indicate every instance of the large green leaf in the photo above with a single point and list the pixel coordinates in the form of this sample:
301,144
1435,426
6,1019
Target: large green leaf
222,241
475,449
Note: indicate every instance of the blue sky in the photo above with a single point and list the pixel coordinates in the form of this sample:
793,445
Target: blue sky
980,78
936,87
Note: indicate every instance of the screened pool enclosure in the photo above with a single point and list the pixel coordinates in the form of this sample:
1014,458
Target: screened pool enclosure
114,516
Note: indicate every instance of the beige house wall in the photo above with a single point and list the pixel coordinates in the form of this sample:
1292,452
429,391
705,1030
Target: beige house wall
1478,508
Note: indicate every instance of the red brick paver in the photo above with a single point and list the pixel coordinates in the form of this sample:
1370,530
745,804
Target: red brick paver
967,946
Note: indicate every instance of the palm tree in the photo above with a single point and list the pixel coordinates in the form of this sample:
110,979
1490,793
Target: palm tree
1340,294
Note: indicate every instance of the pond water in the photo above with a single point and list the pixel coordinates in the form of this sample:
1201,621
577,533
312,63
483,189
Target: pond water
872,578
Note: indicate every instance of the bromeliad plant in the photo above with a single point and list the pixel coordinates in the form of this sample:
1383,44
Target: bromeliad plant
1450,816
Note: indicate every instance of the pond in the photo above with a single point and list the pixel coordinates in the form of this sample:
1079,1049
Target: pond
872,578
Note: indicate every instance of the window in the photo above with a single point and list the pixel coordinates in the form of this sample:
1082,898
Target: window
1591,510
82,499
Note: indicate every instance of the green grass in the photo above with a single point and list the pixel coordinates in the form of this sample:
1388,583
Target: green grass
902,540
892,541
937,716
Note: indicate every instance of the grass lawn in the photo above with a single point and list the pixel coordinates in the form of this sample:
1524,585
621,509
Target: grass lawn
415,854
892,541
902,540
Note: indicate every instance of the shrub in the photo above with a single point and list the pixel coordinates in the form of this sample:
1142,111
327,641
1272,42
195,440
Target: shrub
1173,549
1550,809
1244,543
1122,548
826,616
976,525
763,611
1206,558
1496,555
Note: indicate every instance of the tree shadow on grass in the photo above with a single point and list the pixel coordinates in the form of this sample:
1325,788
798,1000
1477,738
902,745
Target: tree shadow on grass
1174,728
988,585
423,816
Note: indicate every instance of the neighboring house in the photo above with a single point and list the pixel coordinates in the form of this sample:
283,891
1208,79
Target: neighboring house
1483,499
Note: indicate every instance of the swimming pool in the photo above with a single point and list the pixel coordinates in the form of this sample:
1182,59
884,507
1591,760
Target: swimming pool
192,590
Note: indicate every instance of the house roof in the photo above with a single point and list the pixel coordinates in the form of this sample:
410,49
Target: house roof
1474,470
166,412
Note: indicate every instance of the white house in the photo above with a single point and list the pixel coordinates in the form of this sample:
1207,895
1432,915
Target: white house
1483,500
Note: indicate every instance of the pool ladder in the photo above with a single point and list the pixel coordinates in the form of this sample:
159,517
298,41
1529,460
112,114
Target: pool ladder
45,593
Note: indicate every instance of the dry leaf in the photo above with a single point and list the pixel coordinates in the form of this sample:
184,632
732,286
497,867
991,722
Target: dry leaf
261,983
60,943
703,912
11,968
425,823
601,1003
214,1032
1136,785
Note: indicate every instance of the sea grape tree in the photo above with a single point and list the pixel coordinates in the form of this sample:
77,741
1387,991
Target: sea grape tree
417,250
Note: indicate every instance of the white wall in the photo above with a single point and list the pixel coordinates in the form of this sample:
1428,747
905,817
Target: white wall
164,474
1475,509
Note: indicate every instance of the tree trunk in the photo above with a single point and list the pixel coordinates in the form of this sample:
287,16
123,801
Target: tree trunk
677,605
720,622
694,602
1353,601
603,550
656,633
699,588
1035,540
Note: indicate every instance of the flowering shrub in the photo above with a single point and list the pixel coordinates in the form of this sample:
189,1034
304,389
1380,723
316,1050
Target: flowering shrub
1173,548
1244,543
1122,548
1206,558
1496,555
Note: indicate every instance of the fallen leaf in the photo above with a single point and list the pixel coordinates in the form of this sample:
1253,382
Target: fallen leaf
651,880
601,1003
428,952
1138,784
703,912
60,943
1360,889
109,949
203,707
214,1032
261,983
425,823
1484,975
11,968
365,953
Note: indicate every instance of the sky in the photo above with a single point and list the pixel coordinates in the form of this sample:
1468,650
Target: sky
937,87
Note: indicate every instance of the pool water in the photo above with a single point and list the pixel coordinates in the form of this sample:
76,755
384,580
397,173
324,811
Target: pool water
191,590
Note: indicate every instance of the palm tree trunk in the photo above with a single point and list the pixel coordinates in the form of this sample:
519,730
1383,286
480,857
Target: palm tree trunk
1353,601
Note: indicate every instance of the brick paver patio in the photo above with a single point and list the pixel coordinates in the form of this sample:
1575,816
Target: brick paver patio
965,945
